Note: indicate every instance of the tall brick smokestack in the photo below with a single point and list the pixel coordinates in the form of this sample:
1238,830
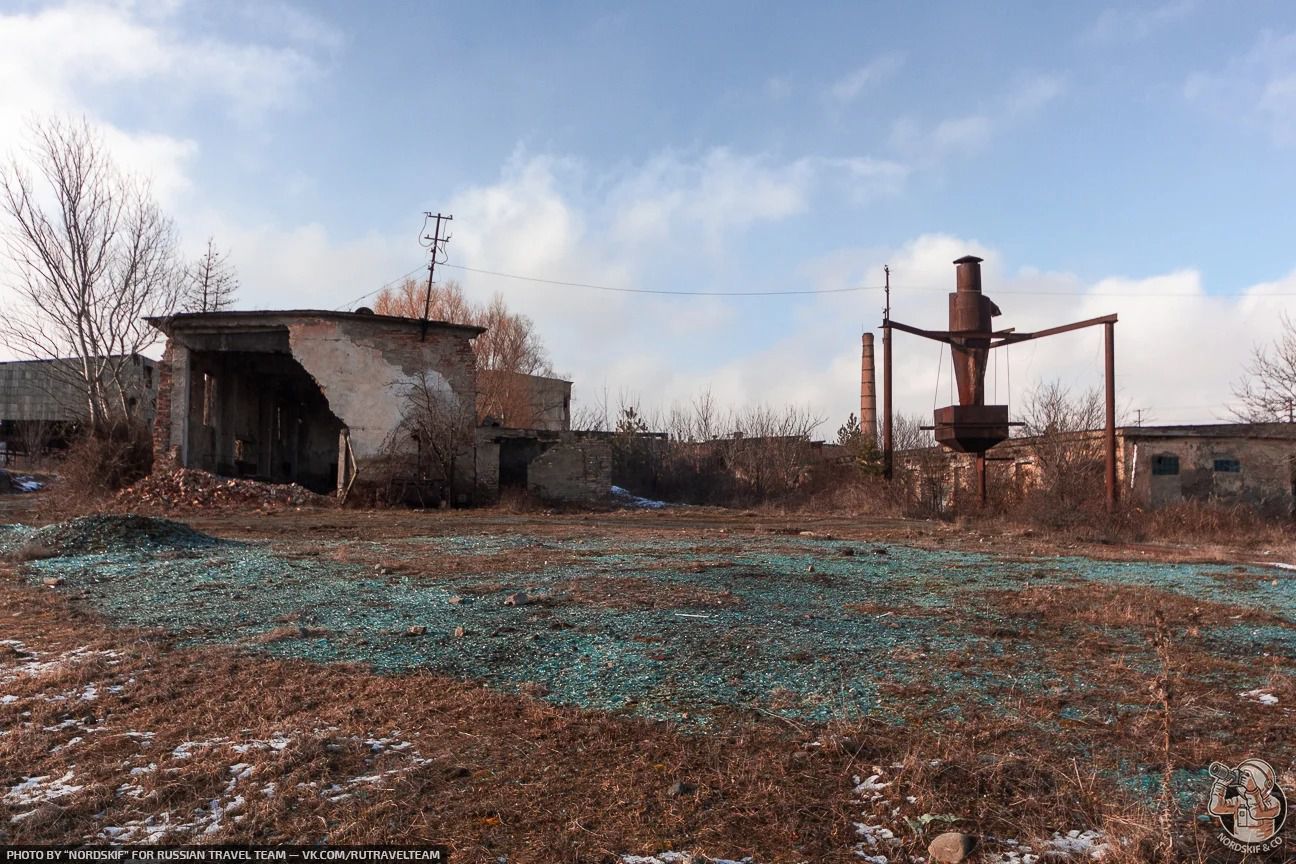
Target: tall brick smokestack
868,391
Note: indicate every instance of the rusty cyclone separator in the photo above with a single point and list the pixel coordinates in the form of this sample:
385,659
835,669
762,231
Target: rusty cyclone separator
972,426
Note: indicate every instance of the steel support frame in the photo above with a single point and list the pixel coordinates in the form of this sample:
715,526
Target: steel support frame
1011,337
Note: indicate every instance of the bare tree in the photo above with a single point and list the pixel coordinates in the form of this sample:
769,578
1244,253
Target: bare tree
210,281
923,468
433,443
509,348
93,256
1061,431
1267,390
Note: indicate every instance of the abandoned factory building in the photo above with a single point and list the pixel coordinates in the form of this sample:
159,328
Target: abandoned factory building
335,400
1228,463
43,401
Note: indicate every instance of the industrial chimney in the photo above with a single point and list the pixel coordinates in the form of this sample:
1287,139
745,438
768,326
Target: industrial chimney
868,391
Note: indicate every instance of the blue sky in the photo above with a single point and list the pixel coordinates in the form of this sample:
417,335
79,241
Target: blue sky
1096,156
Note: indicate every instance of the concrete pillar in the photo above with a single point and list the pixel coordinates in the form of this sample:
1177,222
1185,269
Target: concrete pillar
868,391
181,388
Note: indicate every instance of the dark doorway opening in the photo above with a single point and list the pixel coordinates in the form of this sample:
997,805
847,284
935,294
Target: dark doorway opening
261,415
515,455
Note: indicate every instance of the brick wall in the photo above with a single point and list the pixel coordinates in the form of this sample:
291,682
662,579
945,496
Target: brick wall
576,470
163,453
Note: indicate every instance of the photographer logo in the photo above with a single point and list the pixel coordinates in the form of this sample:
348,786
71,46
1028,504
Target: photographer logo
1249,804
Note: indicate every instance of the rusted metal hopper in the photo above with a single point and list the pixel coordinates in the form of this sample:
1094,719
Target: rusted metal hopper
971,426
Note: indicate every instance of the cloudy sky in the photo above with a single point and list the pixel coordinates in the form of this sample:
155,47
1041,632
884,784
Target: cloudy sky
1133,159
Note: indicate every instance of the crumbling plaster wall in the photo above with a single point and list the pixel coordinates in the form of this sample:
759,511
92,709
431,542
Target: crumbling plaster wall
576,470
1264,479
365,371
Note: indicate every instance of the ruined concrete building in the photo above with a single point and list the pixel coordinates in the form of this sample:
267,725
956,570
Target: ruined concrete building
1228,463
42,402
335,400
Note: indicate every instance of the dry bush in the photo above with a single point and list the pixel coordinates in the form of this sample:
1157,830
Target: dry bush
758,455
1205,521
98,464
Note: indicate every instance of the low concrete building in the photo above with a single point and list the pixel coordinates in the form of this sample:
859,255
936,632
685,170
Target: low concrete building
317,398
1228,463
518,401
334,400
553,465
44,400
1244,463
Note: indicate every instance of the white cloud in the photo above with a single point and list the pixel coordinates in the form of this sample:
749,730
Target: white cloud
926,144
1132,24
74,59
537,219
849,87
1259,87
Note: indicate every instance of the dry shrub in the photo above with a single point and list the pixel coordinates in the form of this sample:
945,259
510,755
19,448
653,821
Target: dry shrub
1206,521
99,463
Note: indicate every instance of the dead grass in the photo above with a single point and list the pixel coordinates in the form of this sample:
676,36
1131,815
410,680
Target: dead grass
515,776
501,775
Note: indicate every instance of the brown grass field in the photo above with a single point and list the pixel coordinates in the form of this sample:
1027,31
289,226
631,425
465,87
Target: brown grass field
225,744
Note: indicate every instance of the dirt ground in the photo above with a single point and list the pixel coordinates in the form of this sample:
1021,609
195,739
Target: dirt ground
698,681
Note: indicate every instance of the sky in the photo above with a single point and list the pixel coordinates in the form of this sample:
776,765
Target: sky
1135,159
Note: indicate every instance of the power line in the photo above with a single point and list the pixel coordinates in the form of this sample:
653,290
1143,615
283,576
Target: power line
663,290
800,292
596,287
405,275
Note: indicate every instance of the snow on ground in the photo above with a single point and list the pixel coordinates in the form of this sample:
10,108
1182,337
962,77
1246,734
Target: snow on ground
1264,697
34,791
629,499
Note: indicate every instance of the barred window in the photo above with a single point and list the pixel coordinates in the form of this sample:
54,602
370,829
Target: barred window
1164,464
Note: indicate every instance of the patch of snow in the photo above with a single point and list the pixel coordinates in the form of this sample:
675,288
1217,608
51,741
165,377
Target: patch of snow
8,700
69,723
31,665
629,499
870,786
71,742
185,749
38,790
1083,843
1264,697
277,743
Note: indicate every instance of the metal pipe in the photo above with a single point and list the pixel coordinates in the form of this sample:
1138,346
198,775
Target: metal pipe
888,442
981,478
1109,433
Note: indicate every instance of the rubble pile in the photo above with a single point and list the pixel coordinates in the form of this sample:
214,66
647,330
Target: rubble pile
107,533
188,487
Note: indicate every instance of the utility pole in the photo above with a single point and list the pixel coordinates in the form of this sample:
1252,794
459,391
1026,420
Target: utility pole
436,244
888,465
1138,416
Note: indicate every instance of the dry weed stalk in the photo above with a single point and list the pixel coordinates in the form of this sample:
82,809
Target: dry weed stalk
1162,693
